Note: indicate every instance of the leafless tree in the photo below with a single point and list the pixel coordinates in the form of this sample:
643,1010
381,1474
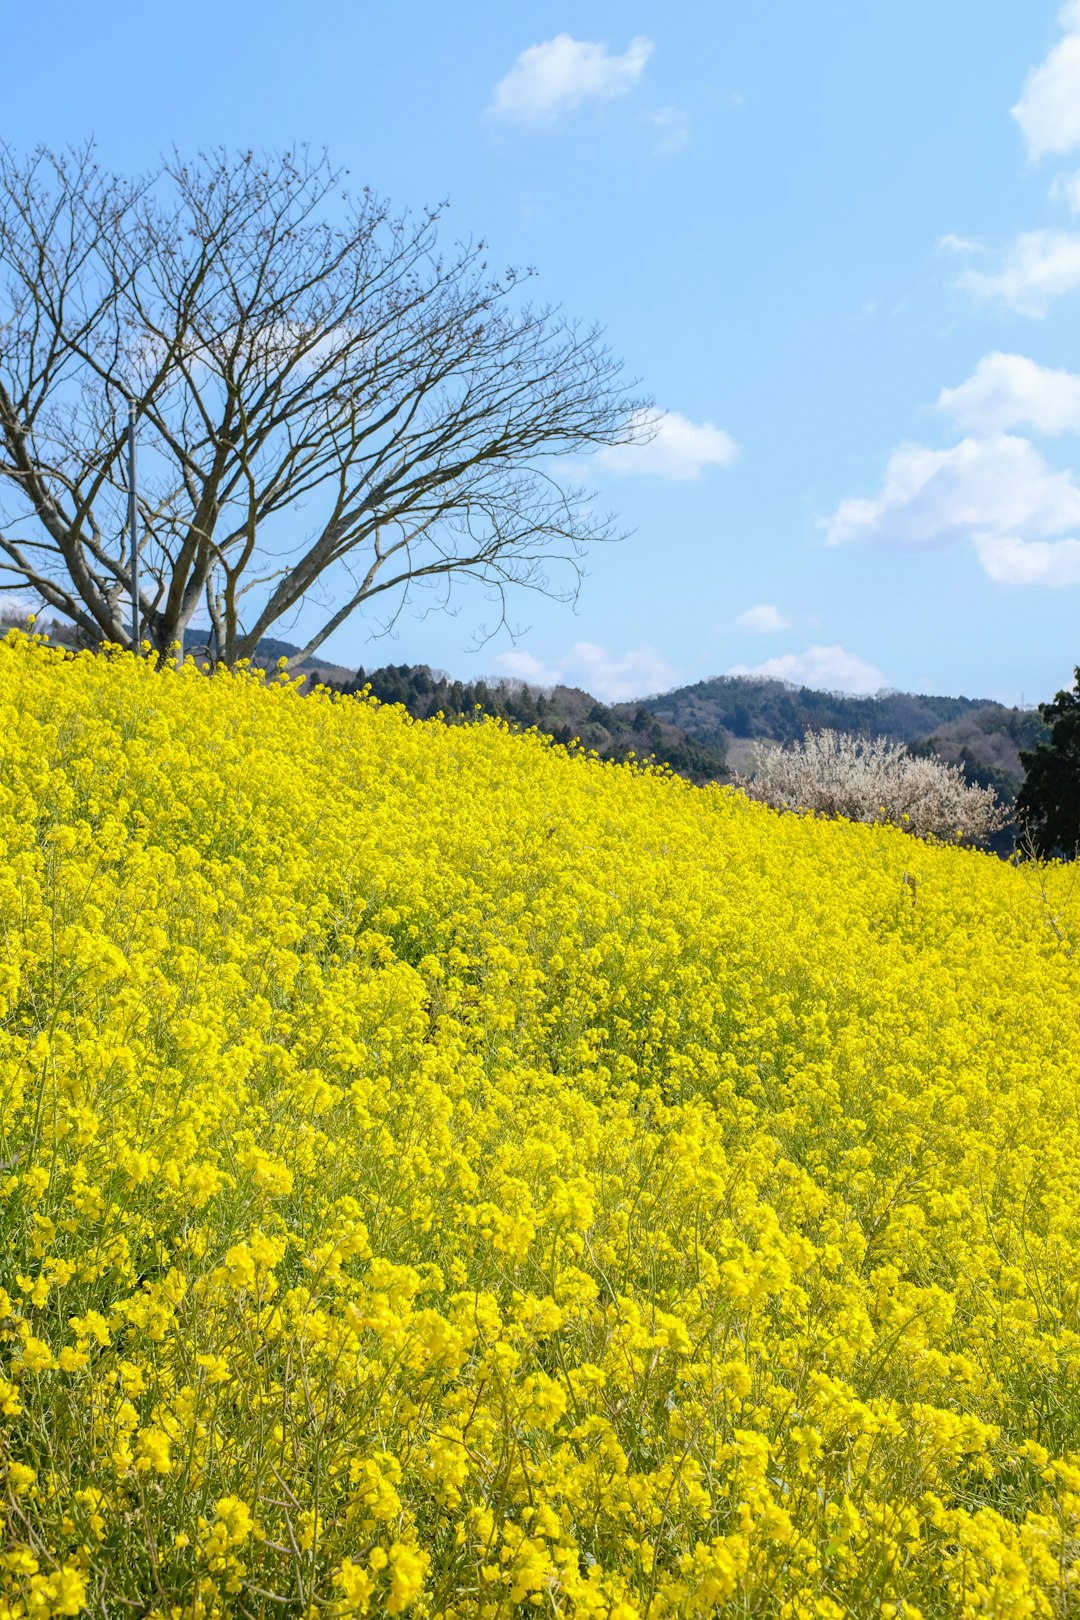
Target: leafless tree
329,407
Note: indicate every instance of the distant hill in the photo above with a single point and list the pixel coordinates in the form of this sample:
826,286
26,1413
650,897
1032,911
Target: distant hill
731,707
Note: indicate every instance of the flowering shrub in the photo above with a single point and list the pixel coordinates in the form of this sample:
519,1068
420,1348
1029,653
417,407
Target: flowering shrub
863,779
443,1176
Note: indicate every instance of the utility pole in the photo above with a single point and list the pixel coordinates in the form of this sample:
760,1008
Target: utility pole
133,525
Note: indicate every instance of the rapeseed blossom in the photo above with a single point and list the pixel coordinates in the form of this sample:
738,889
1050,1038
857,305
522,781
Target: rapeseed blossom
444,1176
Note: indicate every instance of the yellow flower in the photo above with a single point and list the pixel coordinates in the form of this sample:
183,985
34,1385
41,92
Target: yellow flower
36,1354
495,1177
234,1520
153,1451
356,1585
408,1566
20,1478
240,1266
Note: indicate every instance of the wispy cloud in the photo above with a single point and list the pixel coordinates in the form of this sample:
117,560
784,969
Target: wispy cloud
615,677
672,128
763,620
1066,188
1048,111
563,74
951,243
678,449
832,668
519,665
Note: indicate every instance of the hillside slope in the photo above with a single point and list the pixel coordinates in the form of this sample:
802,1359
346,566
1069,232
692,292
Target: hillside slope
440,1171
567,714
706,731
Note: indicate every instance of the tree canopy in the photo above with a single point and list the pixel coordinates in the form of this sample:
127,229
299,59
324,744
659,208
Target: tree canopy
1048,804
332,407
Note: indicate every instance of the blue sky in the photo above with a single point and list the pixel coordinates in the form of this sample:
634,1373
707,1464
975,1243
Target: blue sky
839,244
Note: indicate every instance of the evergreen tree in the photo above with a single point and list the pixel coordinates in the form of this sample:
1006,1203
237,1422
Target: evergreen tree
1048,804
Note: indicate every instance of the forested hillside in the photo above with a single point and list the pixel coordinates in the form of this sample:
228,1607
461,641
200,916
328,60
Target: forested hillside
706,730
747,707
988,742
566,713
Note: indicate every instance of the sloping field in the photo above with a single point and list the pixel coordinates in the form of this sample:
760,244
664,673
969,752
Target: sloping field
443,1175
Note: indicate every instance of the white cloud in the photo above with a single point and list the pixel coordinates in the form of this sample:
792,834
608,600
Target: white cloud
1000,485
635,674
999,493
615,678
520,665
1029,562
562,74
1009,390
1066,188
678,449
672,128
831,668
17,607
1048,111
763,620
994,489
1038,267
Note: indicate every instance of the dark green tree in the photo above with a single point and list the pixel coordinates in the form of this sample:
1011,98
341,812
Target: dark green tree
1048,804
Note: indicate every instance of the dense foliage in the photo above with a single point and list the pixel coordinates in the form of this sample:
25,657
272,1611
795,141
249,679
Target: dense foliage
1048,804
440,1174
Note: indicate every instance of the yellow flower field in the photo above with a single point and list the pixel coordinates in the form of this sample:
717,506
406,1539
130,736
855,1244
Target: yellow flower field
441,1175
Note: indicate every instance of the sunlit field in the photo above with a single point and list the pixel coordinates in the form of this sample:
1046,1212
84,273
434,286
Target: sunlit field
443,1175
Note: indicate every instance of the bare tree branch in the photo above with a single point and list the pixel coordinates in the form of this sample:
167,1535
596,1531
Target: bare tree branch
327,401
